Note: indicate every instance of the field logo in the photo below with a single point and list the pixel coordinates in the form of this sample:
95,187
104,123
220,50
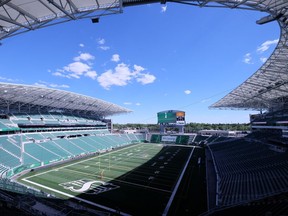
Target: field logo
88,186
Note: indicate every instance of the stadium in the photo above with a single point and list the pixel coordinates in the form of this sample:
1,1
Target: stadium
59,154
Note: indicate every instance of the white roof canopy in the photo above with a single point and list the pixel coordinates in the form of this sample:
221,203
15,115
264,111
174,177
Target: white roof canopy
33,99
18,16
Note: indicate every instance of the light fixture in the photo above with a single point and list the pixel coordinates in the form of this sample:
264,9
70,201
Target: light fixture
95,20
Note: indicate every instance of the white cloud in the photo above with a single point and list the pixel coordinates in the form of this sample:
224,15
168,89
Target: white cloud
138,68
130,103
52,85
59,86
146,78
104,48
127,103
119,77
101,41
91,74
40,85
247,58
8,79
78,68
122,75
81,45
263,59
59,73
115,58
187,92
266,45
163,8
84,57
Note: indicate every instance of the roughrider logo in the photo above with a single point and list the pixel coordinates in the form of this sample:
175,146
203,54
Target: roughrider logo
88,186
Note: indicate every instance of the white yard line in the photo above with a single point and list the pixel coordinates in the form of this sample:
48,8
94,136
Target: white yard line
131,155
114,165
97,175
116,180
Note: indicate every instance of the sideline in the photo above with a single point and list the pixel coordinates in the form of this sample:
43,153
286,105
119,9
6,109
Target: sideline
165,212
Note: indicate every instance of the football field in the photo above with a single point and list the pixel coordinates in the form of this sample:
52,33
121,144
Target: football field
128,181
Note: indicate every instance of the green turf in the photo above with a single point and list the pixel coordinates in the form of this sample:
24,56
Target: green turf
142,174
104,167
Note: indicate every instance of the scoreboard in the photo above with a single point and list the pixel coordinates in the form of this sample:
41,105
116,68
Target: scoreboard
180,117
166,117
171,117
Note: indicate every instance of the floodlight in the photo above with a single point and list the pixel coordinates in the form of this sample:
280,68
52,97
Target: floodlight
95,20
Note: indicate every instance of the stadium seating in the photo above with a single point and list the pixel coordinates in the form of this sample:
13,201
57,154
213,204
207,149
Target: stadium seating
33,136
49,118
5,124
34,139
11,147
7,159
51,146
182,140
249,170
200,138
3,170
70,147
8,185
28,159
40,152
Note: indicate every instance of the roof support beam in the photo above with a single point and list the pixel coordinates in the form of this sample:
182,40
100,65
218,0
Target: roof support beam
21,11
241,2
72,5
2,2
49,8
254,84
6,19
61,9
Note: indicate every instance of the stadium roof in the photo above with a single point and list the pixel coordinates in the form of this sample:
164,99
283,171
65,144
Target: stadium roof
18,16
34,99
265,89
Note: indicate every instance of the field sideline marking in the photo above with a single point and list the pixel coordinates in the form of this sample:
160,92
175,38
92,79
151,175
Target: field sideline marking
77,198
165,212
79,162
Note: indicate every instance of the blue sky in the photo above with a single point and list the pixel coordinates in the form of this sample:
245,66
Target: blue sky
148,59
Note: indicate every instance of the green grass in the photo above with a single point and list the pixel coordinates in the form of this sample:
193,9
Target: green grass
135,174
